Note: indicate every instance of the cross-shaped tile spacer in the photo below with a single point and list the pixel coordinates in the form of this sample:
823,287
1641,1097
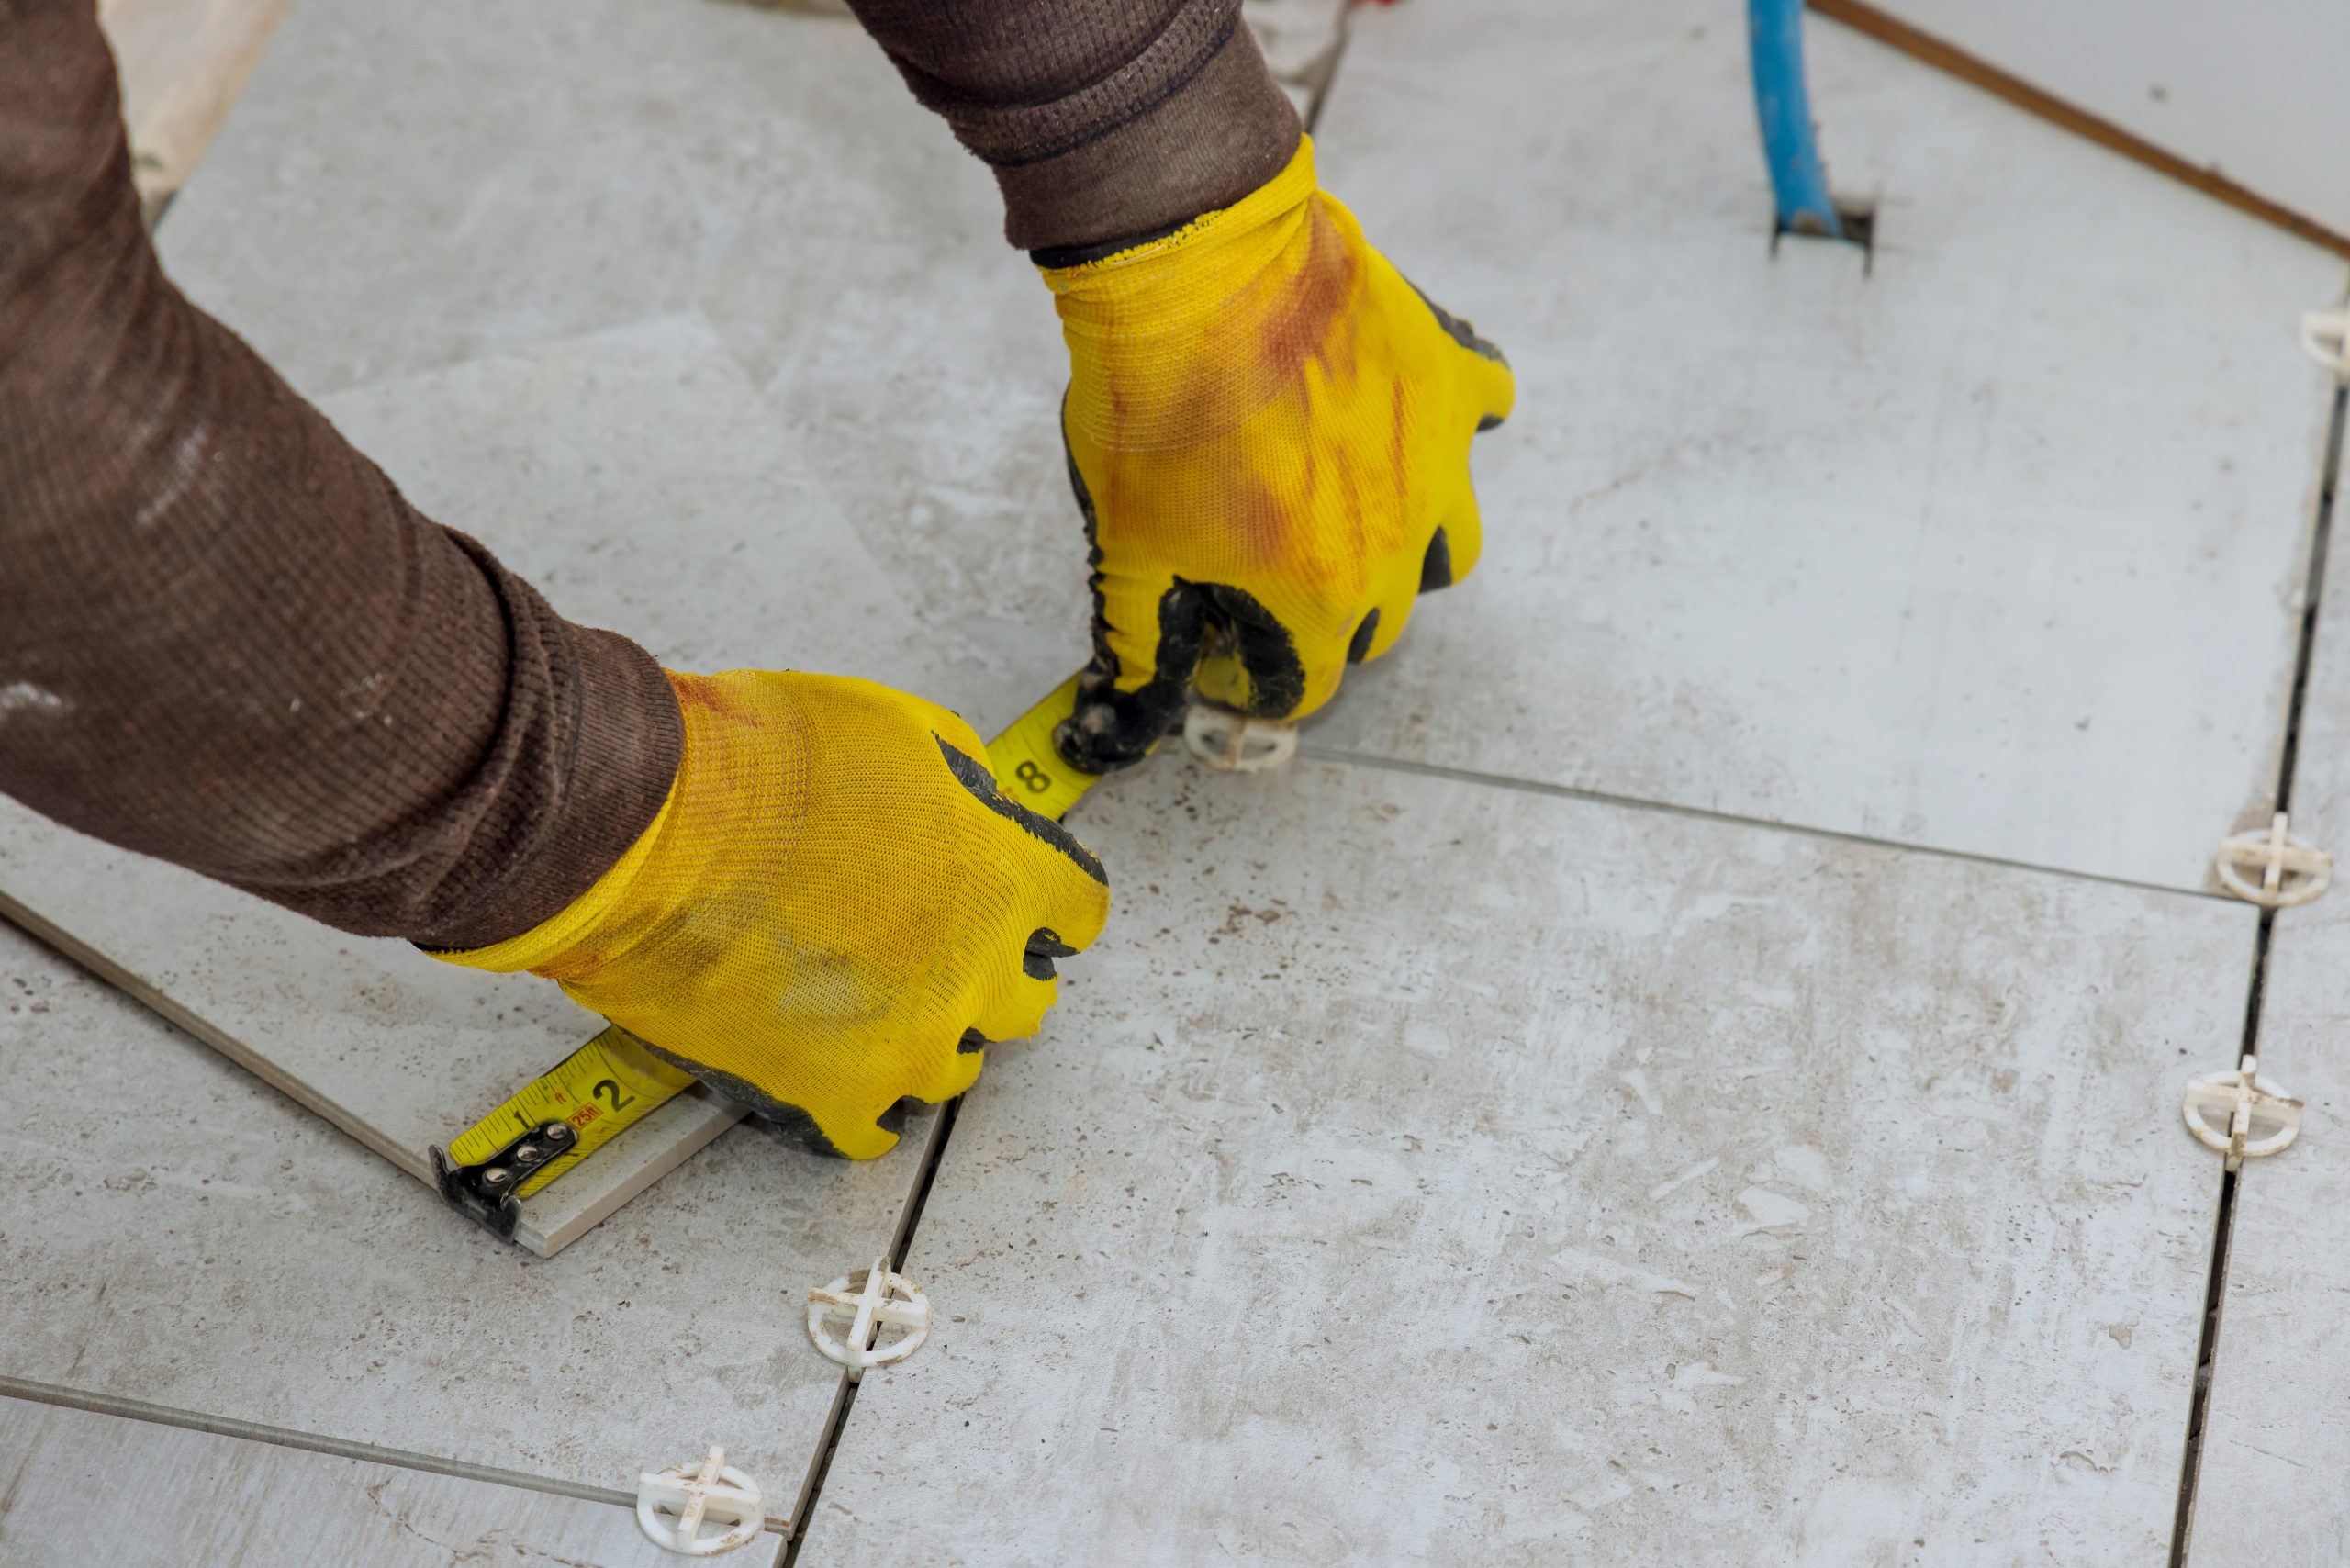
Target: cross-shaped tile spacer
2278,856
2243,1094
673,1506
2325,338
881,1298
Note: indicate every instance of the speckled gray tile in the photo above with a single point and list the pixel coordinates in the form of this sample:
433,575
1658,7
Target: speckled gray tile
1963,553
636,476
2277,1435
2166,75
87,1488
1430,1171
403,189
2277,1438
1967,551
179,1233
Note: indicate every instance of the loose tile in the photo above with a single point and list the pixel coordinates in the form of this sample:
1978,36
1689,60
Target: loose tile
1426,1169
584,463
181,1236
91,1488
770,171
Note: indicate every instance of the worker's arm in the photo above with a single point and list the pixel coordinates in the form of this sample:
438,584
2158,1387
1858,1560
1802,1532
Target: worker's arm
225,639
227,642
1268,427
1103,119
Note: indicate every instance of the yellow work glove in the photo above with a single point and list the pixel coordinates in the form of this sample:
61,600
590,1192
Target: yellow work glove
834,909
1268,433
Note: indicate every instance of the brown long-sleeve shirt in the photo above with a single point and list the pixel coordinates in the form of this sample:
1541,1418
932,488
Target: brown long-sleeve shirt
227,642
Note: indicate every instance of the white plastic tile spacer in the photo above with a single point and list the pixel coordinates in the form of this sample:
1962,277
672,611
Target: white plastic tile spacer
2243,1102
2293,871
675,1506
870,1299
1234,742
2325,338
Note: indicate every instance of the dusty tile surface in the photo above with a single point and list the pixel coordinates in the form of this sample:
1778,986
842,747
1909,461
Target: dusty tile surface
191,1239
2277,1438
1549,1182
1961,554
638,478
1965,553
88,1488
2169,76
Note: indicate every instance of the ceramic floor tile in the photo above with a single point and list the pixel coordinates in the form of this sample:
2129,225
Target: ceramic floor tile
385,201
637,477
180,1235
1968,552
1426,1170
2277,1438
2166,75
89,1488
404,189
2277,1434
1963,553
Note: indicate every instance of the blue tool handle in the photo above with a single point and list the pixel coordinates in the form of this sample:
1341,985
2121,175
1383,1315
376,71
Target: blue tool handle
1783,105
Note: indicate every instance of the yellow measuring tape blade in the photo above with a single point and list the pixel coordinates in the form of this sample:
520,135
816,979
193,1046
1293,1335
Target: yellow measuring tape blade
601,1089
1028,767
612,1082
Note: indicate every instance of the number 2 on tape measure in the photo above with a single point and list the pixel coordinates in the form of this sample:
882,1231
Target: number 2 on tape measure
601,1089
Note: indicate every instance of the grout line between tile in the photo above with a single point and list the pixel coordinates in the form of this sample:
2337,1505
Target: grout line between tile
2215,1280
314,1442
845,1398
1735,819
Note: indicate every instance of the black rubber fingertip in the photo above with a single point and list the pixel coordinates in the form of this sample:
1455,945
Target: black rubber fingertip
1491,422
1360,645
1109,733
973,776
972,1041
1460,331
1436,567
787,1122
1046,945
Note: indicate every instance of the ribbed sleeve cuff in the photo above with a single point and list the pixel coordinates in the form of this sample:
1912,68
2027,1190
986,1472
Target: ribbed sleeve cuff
626,739
1217,135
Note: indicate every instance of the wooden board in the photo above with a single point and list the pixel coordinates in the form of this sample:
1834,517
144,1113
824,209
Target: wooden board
1436,1172
586,465
190,1241
87,1488
2246,90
